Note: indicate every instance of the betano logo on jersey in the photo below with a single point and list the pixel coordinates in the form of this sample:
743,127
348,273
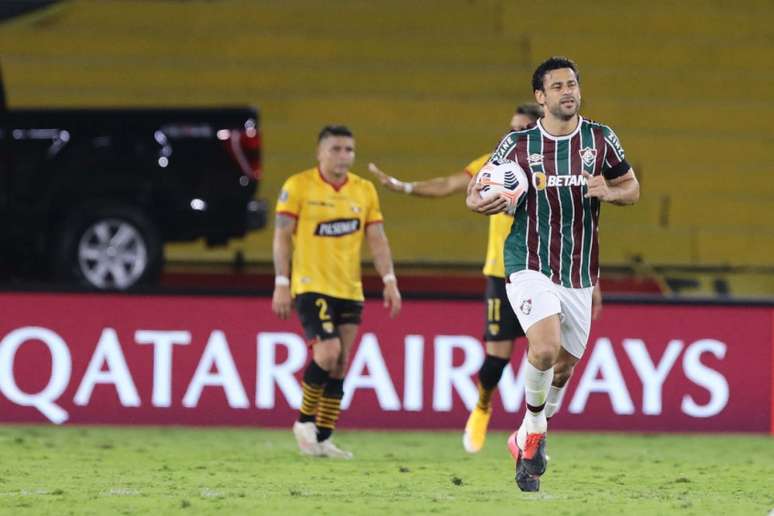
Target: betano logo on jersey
540,181
337,228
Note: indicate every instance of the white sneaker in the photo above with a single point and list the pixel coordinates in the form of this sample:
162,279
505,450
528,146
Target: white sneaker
306,437
328,449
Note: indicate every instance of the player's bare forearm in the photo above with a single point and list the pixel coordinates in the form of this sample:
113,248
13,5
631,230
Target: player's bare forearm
442,186
596,301
436,187
625,190
380,249
282,246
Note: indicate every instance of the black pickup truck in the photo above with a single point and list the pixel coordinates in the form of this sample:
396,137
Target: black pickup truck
90,196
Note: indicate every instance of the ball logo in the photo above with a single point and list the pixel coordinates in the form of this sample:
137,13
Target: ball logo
526,306
539,181
509,180
494,329
485,178
327,327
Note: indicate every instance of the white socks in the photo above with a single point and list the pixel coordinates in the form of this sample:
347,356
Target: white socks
553,403
537,384
554,400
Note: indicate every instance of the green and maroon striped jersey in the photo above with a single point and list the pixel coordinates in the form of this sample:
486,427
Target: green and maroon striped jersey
556,228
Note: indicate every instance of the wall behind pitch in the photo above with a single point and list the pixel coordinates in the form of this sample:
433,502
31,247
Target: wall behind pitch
428,92
121,359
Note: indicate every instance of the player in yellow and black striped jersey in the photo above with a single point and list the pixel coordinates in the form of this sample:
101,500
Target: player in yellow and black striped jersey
502,326
323,215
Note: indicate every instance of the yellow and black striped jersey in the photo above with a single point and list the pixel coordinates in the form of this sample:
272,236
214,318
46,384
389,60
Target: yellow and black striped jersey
330,224
499,228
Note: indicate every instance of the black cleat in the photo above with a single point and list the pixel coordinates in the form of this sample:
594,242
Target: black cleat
526,482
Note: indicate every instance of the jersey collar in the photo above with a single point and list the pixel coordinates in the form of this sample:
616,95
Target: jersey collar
564,137
335,187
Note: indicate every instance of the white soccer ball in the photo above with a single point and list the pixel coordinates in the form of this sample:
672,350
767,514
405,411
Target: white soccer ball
505,179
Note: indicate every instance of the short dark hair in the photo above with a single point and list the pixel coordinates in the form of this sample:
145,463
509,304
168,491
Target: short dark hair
552,63
333,130
531,109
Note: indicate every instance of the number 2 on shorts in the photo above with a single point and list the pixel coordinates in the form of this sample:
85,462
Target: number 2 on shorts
322,304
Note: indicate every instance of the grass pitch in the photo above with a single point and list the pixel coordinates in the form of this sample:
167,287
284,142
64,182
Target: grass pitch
105,470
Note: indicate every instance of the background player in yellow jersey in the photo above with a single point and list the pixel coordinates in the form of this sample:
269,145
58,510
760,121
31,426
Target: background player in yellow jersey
502,326
322,216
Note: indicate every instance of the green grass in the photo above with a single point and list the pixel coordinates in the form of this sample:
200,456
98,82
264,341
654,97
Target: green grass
105,470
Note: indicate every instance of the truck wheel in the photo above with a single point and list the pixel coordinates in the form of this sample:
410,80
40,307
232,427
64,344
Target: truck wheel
110,248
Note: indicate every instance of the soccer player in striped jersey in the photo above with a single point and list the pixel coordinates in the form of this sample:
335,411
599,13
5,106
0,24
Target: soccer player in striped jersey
552,251
501,325
322,216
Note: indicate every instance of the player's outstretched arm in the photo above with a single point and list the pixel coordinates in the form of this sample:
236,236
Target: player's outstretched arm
623,190
282,249
436,187
380,250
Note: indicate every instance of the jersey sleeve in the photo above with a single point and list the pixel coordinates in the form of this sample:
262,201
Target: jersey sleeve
474,166
374,210
289,200
615,160
506,148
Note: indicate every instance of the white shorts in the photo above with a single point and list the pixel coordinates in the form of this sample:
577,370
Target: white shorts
534,297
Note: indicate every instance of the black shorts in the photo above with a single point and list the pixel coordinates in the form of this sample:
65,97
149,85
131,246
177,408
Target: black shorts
321,314
501,322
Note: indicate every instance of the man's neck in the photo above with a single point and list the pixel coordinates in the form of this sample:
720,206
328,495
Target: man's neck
332,178
558,127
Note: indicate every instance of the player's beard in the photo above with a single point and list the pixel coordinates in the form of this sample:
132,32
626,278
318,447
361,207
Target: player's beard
562,113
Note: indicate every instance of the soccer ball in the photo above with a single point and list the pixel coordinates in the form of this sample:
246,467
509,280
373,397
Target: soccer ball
505,179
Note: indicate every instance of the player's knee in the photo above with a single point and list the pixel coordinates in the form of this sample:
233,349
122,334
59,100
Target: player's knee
327,354
499,348
326,363
544,354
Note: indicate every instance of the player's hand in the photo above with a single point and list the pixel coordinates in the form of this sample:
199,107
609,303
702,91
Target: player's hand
392,298
597,187
389,182
596,302
489,206
280,301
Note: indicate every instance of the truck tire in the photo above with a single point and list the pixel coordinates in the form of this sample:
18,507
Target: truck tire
109,248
